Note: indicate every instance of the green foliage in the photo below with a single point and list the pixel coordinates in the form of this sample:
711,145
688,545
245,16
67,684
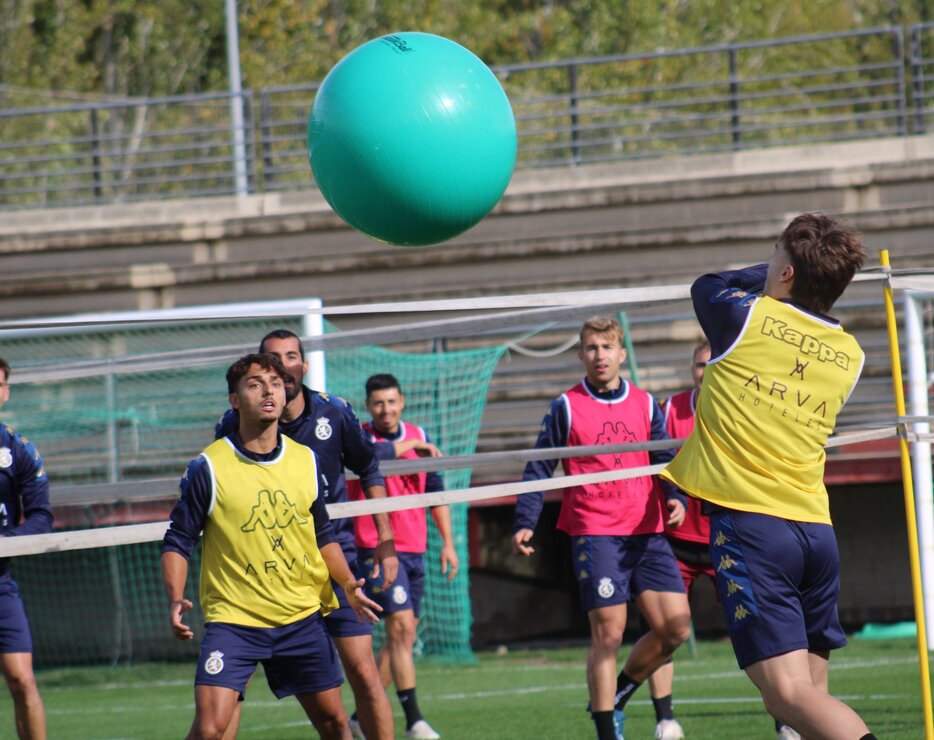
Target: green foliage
123,47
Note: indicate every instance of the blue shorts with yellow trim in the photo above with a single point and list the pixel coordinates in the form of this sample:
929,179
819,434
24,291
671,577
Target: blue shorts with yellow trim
298,658
778,581
611,569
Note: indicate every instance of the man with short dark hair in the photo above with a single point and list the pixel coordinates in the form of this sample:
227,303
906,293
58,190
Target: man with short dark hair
24,510
269,557
327,424
781,371
618,549
401,600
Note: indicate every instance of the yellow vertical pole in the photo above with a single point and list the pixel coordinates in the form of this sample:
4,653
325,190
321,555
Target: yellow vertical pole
908,488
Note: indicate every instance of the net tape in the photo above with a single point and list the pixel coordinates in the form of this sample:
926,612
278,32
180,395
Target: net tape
137,533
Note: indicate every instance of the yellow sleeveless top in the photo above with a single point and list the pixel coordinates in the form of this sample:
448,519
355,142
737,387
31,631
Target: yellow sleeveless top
261,566
764,413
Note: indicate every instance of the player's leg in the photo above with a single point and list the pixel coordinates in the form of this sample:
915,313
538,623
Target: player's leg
227,660
214,706
790,695
304,664
27,704
669,617
16,664
373,709
819,666
326,712
607,624
354,643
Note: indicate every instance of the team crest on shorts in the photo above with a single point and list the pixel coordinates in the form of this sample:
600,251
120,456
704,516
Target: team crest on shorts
605,588
6,457
399,595
323,429
215,663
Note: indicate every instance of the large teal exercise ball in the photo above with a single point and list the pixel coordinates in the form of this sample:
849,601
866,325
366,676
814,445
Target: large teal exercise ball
411,139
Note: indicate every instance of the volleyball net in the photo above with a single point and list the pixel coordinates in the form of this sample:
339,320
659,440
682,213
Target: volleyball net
117,411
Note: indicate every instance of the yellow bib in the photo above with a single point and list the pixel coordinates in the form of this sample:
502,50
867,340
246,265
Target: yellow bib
764,414
261,566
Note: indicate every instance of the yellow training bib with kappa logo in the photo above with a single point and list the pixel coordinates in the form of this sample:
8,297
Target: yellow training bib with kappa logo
261,566
764,413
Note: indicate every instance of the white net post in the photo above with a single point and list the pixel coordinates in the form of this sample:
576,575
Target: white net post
313,326
921,451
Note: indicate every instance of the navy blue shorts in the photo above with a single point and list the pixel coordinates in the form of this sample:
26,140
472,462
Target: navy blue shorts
612,569
407,590
299,658
343,621
778,582
14,629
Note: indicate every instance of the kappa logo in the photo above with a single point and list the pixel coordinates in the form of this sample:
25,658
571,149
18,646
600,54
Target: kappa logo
399,596
215,663
606,588
808,345
272,510
323,429
615,432
6,457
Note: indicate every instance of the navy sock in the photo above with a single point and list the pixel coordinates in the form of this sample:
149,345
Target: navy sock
604,723
663,708
409,706
625,688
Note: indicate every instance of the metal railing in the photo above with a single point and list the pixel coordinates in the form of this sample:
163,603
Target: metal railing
802,90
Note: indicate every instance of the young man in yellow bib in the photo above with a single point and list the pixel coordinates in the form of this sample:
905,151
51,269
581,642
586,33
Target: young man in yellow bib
781,370
268,558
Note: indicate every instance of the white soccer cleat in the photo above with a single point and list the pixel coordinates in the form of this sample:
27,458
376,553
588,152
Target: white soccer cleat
421,730
669,729
787,733
355,729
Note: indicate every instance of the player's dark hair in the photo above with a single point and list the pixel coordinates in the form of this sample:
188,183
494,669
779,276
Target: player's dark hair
382,382
282,334
825,254
237,371
5,369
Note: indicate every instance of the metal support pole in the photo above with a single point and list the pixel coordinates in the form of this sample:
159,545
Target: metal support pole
236,98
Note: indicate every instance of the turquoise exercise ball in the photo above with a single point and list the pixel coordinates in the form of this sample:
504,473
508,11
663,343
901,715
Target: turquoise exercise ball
412,139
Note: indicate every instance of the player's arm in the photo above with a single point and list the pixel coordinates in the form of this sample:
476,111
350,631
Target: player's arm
441,515
422,449
721,303
333,557
554,433
185,525
675,499
360,456
33,487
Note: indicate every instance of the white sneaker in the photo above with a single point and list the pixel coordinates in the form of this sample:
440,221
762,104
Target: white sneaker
422,731
787,733
669,729
355,729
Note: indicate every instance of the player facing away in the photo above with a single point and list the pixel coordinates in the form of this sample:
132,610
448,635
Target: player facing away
781,371
328,426
24,510
618,549
401,601
269,556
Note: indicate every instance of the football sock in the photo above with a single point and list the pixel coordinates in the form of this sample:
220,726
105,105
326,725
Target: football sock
604,723
625,688
663,708
409,706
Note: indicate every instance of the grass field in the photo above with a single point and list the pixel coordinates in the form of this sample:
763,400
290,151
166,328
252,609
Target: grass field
523,694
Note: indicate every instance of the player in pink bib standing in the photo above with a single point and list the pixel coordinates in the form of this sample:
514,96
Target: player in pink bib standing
401,601
619,550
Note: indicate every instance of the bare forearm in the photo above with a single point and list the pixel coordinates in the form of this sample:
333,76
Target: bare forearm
174,575
442,517
383,527
334,558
